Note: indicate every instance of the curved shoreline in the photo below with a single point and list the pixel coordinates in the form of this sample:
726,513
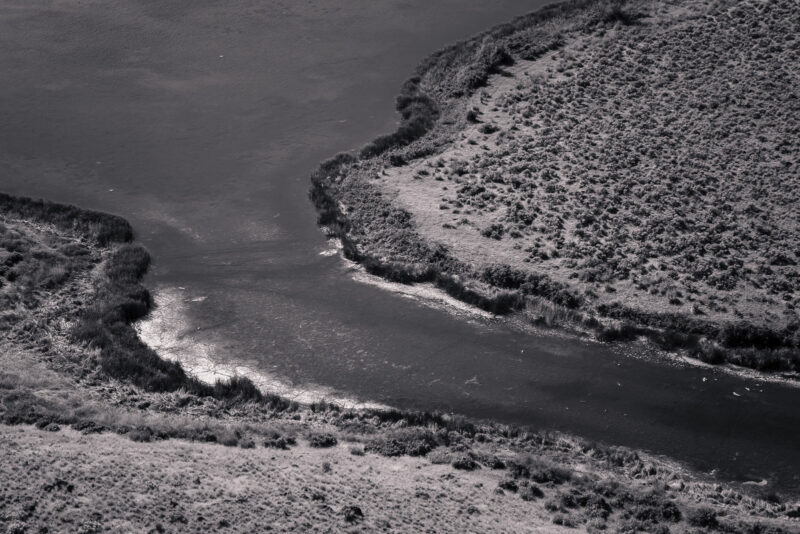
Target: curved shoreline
351,205
163,331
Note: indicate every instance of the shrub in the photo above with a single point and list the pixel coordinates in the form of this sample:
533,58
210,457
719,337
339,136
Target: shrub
237,388
623,332
464,462
405,441
531,492
508,484
703,517
545,472
418,112
322,440
276,441
352,514
745,335
612,11
141,434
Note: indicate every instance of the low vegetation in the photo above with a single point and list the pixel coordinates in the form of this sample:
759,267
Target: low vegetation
72,275
74,372
612,166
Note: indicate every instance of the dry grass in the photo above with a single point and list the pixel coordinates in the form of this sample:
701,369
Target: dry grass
645,164
660,183
104,483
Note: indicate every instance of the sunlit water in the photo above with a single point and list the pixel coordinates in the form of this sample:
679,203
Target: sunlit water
200,122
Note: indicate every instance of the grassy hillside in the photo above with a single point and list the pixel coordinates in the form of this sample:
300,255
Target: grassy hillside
624,167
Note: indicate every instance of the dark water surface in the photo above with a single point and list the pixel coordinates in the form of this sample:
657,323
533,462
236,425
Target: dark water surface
200,122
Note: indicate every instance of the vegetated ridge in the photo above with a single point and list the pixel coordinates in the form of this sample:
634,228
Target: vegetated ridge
86,412
626,168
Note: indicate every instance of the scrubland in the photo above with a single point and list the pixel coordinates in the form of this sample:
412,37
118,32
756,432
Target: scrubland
100,435
624,168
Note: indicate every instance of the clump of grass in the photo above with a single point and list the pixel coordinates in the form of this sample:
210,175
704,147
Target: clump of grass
103,228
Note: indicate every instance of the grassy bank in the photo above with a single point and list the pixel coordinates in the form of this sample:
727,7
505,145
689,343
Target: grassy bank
498,189
81,391
51,252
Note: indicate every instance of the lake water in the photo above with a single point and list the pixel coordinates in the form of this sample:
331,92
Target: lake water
200,122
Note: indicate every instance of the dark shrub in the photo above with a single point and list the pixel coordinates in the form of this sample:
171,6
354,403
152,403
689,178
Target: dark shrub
405,441
495,463
613,11
672,339
712,355
671,512
141,434
531,493
703,517
509,484
87,427
323,440
127,264
465,462
275,441
518,470
418,112
493,231
543,472
745,335
237,388
597,506
352,514
624,332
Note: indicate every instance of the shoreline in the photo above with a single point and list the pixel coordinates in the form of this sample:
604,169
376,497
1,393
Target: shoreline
436,298
136,401
162,330
351,202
